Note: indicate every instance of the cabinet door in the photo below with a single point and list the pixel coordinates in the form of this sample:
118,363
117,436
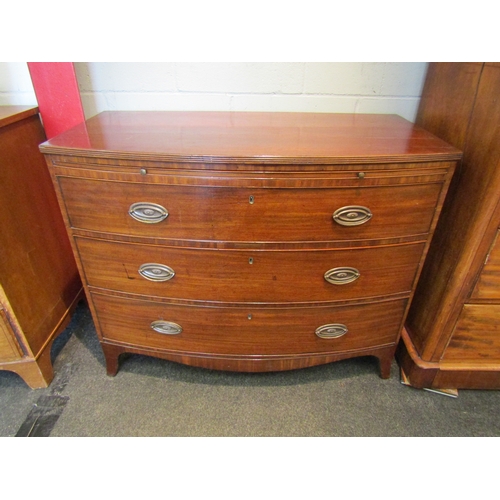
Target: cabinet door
488,284
477,335
9,349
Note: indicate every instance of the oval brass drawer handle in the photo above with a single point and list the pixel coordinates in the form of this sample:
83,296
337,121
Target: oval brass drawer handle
166,327
149,213
331,331
156,272
352,215
342,275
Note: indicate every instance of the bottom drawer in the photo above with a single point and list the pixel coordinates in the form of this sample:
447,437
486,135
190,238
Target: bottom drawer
477,335
248,331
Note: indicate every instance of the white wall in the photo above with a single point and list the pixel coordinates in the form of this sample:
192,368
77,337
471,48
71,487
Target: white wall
318,87
15,84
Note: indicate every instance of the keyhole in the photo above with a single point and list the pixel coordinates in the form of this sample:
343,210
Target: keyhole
250,260
251,200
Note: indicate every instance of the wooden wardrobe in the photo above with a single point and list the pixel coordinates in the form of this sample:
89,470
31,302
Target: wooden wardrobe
39,281
452,334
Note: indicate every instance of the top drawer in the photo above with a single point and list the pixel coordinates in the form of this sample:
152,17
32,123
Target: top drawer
247,214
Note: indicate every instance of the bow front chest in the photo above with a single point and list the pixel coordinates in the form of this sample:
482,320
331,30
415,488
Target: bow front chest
249,241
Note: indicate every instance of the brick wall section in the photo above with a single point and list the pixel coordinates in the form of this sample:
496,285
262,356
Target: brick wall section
15,85
317,87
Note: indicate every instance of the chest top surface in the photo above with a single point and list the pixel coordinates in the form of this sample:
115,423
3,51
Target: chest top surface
269,138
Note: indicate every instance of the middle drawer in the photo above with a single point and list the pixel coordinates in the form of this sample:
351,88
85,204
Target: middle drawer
249,275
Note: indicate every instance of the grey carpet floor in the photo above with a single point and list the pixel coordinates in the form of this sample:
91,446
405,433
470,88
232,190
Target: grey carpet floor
153,397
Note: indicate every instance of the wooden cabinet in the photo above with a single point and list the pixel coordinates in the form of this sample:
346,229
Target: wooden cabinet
39,281
249,241
452,335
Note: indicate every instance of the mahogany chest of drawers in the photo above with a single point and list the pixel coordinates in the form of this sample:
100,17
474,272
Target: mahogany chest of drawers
249,241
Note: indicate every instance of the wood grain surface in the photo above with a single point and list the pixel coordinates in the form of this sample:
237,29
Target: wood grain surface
226,214
289,276
487,287
247,330
251,136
